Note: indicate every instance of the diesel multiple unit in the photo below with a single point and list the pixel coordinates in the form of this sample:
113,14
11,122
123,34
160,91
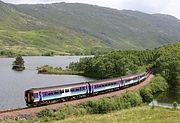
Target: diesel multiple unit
39,96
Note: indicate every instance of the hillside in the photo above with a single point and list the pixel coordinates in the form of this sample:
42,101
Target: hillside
24,34
119,29
71,28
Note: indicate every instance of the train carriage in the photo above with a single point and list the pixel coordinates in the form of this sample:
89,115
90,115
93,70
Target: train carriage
98,86
38,96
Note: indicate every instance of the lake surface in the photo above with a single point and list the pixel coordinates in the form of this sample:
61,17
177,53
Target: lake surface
169,97
13,83
166,99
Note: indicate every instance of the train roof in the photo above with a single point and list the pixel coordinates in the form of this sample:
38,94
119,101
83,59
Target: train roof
59,86
84,83
118,78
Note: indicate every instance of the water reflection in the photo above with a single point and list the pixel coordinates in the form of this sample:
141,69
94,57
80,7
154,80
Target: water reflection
168,98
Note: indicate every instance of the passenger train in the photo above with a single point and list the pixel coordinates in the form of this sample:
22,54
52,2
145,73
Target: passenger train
46,95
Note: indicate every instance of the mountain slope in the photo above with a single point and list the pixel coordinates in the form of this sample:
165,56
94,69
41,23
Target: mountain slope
24,34
118,29
66,28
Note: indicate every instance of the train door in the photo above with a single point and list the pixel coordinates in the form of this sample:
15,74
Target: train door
40,96
92,89
120,83
89,89
67,92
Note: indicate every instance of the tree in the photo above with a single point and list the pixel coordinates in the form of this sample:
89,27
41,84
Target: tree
18,64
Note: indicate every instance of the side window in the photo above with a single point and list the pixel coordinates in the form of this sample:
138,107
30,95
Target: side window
50,93
35,95
61,91
46,94
43,94
72,89
56,92
66,90
83,88
77,89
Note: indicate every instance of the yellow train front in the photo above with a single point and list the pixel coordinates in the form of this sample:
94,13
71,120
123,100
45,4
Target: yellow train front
29,97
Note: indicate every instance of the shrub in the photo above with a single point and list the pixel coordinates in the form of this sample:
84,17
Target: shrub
45,113
175,105
158,84
133,98
115,103
146,94
68,111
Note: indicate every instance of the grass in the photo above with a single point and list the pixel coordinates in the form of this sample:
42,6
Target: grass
142,114
135,115
21,34
38,42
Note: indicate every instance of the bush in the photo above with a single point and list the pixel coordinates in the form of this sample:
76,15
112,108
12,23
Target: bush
45,113
158,84
146,94
175,105
115,103
69,111
133,98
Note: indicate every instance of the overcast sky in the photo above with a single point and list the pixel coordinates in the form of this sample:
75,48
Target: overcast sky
171,7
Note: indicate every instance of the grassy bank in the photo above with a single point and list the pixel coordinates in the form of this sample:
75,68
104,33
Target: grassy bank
141,114
57,70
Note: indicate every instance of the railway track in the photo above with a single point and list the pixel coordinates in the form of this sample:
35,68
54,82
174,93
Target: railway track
31,112
11,110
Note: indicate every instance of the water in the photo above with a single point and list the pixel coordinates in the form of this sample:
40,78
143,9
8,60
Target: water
13,83
166,99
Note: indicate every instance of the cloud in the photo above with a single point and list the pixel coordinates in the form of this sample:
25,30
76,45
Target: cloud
173,8
148,6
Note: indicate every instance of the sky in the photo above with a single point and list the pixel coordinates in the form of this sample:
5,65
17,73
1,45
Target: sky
171,7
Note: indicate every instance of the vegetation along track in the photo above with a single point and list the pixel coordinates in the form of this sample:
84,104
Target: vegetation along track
28,113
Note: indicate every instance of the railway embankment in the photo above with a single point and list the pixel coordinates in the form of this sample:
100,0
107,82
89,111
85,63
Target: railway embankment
29,113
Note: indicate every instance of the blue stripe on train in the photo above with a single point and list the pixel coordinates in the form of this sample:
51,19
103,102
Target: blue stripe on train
59,96
104,88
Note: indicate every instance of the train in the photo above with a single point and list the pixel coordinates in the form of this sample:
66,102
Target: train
47,95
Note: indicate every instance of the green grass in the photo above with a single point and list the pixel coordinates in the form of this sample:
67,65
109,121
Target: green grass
38,42
142,114
135,115
23,34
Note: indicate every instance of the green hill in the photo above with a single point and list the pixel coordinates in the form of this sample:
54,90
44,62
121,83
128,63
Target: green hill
66,28
23,34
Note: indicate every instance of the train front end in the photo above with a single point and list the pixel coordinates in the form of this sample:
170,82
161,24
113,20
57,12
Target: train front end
29,98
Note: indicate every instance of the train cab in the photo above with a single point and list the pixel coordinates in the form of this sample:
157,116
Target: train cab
29,98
